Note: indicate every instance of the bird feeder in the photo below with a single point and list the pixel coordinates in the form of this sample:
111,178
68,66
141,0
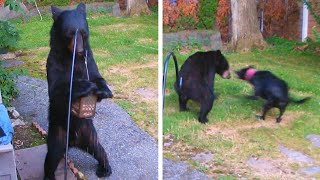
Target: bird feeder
85,107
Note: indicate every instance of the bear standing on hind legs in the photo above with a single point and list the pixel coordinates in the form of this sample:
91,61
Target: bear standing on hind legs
82,131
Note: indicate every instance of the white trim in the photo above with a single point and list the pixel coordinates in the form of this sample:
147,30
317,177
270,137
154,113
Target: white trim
160,106
305,19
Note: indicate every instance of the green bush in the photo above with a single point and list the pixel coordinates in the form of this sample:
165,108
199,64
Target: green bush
206,13
186,22
316,34
7,85
9,35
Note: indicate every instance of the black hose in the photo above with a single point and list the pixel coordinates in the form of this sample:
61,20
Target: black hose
165,71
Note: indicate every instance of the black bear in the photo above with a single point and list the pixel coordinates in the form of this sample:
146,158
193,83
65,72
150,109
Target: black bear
82,131
195,80
269,87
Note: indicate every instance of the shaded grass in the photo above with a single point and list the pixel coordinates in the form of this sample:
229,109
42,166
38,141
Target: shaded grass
231,110
116,42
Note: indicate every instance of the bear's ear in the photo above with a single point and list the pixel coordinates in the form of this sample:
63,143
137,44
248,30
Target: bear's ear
55,12
82,8
219,52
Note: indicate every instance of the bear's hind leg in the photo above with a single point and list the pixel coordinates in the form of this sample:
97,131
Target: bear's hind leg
183,103
56,144
89,143
205,108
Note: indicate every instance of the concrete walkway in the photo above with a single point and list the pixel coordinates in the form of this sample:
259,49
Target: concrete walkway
181,171
132,152
30,159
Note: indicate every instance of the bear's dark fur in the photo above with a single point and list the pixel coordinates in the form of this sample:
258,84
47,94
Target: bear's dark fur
195,80
82,132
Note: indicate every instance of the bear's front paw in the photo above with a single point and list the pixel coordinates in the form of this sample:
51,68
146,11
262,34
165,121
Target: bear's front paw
103,93
103,171
83,88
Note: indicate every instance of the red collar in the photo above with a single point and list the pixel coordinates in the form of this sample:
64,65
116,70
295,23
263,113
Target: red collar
249,73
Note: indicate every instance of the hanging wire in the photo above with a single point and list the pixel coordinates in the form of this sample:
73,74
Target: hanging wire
69,107
86,62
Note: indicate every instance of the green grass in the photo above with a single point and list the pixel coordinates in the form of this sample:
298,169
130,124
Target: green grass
121,45
233,114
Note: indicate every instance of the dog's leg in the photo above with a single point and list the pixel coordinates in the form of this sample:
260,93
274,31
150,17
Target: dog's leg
266,107
56,148
205,108
90,144
282,108
183,103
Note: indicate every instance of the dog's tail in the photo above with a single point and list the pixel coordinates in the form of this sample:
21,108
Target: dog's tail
165,71
301,101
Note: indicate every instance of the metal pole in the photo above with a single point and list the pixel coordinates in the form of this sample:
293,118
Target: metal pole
69,107
165,71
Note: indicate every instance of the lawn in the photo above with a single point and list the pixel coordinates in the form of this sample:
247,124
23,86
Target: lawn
233,134
125,50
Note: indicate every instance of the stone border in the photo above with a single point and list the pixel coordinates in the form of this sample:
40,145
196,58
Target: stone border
209,38
79,175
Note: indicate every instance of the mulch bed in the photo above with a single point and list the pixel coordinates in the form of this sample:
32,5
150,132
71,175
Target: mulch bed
27,136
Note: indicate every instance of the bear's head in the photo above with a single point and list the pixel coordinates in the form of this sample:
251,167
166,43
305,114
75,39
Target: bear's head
64,28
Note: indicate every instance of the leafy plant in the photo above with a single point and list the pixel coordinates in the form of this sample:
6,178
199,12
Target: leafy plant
186,21
175,16
206,13
7,85
9,35
222,19
14,5
316,34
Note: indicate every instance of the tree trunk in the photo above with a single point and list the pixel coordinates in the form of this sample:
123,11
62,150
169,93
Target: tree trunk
137,7
245,26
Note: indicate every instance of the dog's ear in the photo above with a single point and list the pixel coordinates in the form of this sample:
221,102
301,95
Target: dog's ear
55,12
82,8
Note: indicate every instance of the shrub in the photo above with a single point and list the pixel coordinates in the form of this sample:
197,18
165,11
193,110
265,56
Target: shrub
175,16
170,13
9,35
206,13
200,13
7,85
186,22
222,19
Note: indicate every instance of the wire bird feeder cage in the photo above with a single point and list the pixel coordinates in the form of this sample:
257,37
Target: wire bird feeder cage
85,107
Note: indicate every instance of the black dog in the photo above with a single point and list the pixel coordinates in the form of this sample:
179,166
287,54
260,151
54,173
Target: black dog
269,87
82,132
195,80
